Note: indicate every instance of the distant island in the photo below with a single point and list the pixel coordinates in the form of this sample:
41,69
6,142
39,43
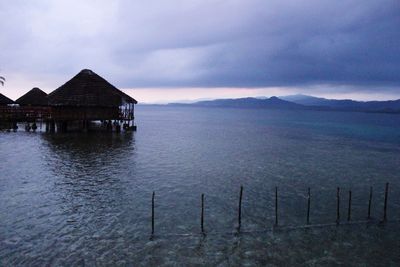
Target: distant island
300,102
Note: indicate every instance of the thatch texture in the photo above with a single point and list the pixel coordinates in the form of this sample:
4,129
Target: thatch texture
34,97
88,89
5,100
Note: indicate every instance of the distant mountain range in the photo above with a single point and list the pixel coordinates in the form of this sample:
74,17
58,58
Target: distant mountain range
304,102
346,104
249,102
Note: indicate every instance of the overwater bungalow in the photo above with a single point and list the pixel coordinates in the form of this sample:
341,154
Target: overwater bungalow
33,106
88,97
34,98
85,98
5,101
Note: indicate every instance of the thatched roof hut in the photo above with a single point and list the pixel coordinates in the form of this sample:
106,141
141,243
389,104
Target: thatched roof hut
87,89
5,100
34,97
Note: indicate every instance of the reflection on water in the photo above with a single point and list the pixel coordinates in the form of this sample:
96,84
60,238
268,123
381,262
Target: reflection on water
89,170
74,199
96,156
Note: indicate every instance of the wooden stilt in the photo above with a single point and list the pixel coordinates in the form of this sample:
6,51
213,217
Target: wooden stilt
240,209
152,213
385,203
308,205
202,214
52,126
276,206
349,208
338,205
369,203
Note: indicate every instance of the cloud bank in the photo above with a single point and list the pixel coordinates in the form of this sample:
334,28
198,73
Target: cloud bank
246,44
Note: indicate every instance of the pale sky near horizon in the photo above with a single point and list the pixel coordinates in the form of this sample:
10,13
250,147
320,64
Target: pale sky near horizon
167,51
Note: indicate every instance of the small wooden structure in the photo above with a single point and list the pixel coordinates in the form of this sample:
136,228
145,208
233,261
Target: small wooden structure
34,98
5,115
85,98
4,101
88,97
33,107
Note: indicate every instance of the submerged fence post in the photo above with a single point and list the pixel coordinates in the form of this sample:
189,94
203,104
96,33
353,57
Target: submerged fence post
349,208
308,205
276,206
369,203
152,213
385,204
338,205
240,208
202,213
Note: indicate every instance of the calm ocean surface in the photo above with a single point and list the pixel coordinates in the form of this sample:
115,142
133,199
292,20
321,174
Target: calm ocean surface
85,199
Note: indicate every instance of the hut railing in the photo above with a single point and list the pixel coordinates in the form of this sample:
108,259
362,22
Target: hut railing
17,113
27,113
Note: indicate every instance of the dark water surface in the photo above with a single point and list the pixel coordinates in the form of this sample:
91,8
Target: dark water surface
84,199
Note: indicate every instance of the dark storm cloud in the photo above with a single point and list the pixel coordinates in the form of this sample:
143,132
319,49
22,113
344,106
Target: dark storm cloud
208,43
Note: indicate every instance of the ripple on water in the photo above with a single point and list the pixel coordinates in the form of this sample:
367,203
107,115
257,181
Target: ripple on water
74,199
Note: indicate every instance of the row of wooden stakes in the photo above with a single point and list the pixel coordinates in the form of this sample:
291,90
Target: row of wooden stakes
384,219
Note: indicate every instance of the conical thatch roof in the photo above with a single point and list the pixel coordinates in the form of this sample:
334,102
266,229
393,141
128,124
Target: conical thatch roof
5,100
88,89
34,97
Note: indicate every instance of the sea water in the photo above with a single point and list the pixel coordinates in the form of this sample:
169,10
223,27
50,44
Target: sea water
85,198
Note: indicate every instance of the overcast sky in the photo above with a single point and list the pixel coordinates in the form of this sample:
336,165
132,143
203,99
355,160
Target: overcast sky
177,50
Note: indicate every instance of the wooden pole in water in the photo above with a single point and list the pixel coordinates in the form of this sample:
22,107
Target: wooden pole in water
369,203
240,208
152,213
349,208
308,205
202,213
338,205
276,206
385,204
